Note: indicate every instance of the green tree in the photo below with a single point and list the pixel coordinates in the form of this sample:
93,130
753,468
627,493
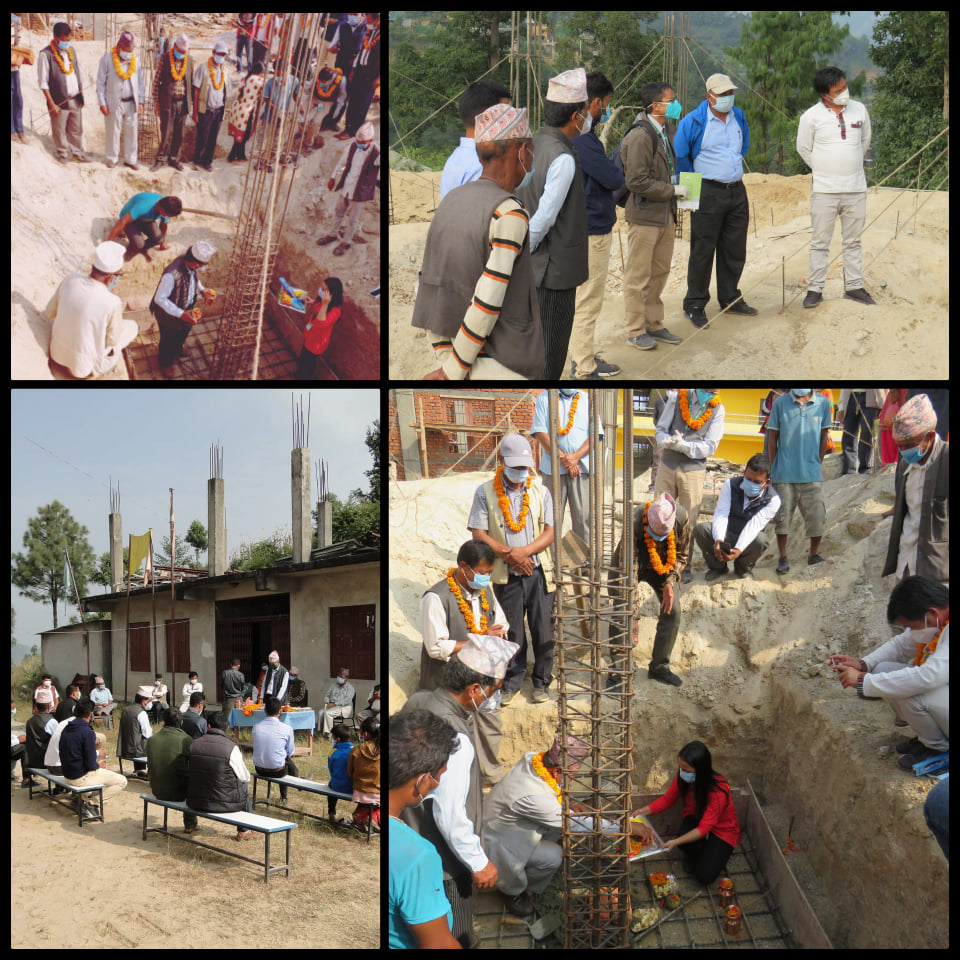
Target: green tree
373,474
197,538
38,573
356,519
911,105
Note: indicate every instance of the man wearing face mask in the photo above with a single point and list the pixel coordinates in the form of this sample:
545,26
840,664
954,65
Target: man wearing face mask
513,513
601,178
89,331
209,103
120,90
713,140
911,672
920,535
338,702
744,507
171,93
450,816
558,214
477,297
833,138
58,74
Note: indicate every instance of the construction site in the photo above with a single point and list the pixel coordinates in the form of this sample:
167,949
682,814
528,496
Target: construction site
833,838
264,216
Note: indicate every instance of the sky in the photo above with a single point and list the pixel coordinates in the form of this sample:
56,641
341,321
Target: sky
150,440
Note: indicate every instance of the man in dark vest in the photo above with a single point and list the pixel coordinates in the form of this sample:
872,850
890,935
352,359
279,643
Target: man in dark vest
40,728
477,295
172,304
135,731
558,221
171,93
745,506
447,615
218,778
450,822
58,73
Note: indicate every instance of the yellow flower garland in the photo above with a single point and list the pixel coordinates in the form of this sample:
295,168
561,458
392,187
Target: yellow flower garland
213,79
563,431
173,66
515,525
703,418
56,55
118,65
465,608
541,771
925,649
655,560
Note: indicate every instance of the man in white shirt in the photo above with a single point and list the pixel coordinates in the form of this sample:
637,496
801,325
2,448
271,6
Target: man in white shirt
833,137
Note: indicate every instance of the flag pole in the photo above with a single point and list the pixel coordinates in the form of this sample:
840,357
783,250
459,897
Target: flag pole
73,580
173,597
126,672
153,615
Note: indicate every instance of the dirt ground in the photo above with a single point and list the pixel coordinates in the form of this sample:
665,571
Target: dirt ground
120,891
758,691
907,277
59,213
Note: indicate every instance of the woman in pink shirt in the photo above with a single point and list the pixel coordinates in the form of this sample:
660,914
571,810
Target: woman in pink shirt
710,826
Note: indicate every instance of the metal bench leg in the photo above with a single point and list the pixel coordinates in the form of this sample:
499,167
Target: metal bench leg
145,805
289,837
266,858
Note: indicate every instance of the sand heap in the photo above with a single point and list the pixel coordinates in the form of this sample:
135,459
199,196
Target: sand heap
59,213
757,689
907,276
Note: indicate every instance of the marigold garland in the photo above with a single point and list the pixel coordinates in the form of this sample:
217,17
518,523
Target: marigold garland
465,608
372,38
563,431
541,771
56,55
925,649
118,65
655,560
173,66
515,525
213,79
703,418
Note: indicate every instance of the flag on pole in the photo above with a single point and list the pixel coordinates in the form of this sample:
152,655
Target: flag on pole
139,551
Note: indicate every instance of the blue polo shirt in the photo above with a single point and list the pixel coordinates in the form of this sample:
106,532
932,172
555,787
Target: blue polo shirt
798,441
570,442
142,206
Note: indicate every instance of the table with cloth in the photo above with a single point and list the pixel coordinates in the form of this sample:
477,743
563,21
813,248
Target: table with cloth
303,719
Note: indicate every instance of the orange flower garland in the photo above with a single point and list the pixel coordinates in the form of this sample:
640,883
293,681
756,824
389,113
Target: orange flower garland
56,56
703,418
655,560
213,78
515,525
541,771
118,65
925,649
465,608
173,66
563,431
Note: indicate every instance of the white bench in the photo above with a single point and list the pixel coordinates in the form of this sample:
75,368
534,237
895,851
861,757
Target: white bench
238,818
53,778
311,786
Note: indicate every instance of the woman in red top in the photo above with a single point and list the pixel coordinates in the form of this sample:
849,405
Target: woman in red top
710,826
322,315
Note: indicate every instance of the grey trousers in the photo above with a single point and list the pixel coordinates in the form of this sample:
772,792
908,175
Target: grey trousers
825,208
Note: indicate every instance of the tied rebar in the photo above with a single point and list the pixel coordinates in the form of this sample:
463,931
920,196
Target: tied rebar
114,497
216,461
301,426
323,491
593,634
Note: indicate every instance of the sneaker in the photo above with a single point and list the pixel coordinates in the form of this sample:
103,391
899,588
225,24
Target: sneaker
812,299
816,558
861,296
697,317
908,746
664,675
907,761
506,696
783,566
716,574
742,307
540,695
665,336
90,812
642,342
606,369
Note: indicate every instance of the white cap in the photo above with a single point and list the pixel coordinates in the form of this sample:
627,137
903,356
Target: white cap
366,132
202,251
568,87
108,257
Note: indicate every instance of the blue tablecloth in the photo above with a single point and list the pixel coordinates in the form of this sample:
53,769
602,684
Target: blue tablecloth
298,719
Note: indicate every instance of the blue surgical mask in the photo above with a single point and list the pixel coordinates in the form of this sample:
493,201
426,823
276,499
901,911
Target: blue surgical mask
362,146
674,110
479,581
724,104
567,393
63,45
687,777
605,116
912,454
124,54
527,174
341,681
750,488
515,474
353,21
705,396
177,55
801,392
218,58
654,536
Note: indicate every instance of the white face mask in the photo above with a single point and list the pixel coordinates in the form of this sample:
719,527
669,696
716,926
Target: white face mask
587,123
841,99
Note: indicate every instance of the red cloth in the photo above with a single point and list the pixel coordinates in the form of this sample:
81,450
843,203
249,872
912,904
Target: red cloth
316,336
719,817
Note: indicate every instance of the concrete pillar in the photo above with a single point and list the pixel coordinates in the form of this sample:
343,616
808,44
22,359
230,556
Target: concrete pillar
116,553
324,523
300,497
216,528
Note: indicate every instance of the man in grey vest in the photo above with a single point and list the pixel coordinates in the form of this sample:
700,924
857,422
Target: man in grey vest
460,604
476,296
745,506
558,220
135,731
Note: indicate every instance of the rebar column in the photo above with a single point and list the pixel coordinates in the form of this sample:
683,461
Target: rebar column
595,685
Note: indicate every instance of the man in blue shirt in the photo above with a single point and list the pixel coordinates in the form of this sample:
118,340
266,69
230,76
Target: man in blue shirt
78,756
713,140
273,745
144,219
799,421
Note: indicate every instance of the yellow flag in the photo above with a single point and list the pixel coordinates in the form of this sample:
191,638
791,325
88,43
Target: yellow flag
139,551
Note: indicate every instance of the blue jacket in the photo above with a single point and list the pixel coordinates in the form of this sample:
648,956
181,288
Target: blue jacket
78,749
337,764
601,179
686,142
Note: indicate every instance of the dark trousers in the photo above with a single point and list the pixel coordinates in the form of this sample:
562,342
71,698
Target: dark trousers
557,308
290,768
528,595
857,440
668,625
142,235
16,103
704,858
173,334
208,126
719,226
703,536
172,120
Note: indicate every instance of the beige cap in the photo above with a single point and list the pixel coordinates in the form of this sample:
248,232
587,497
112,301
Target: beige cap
718,82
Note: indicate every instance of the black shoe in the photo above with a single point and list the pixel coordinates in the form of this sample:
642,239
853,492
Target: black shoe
861,296
697,317
741,306
664,675
812,299
520,906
